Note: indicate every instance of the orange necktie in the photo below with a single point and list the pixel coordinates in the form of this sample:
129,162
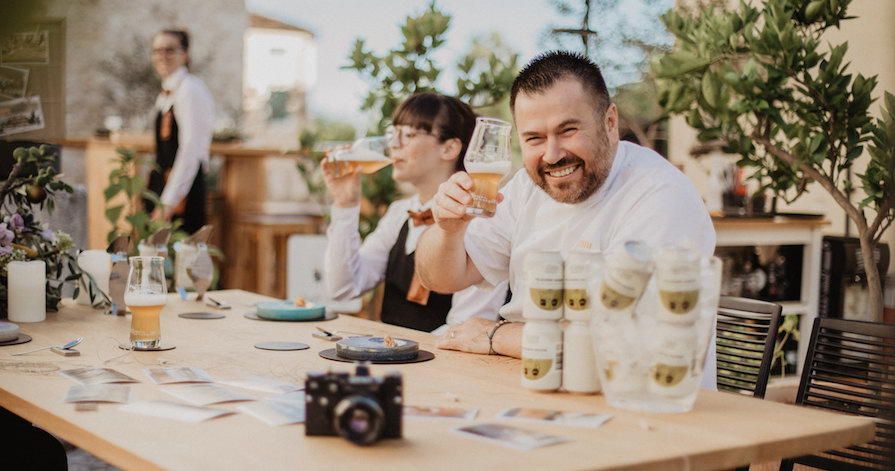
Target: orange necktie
415,292
167,120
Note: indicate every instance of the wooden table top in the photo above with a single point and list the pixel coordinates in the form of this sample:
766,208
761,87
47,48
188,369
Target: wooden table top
722,431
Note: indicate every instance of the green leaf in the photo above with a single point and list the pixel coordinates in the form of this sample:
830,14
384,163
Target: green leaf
111,191
113,213
711,89
813,10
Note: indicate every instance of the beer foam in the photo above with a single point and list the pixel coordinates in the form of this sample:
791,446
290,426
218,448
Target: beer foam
501,168
362,155
145,299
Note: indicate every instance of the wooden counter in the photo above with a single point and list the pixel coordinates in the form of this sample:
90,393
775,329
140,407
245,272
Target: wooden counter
723,430
239,195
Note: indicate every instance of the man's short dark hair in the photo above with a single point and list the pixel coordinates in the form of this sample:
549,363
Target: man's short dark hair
546,69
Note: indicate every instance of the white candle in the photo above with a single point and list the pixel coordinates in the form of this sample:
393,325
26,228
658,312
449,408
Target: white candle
98,263
27,291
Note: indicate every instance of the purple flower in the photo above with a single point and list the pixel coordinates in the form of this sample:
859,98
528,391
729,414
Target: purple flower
48,235
16,222
6,235
5,251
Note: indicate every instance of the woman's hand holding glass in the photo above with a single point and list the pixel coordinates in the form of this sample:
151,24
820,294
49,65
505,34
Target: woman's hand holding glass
342,167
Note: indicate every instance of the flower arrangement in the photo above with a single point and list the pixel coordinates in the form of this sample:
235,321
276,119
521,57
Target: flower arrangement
31,184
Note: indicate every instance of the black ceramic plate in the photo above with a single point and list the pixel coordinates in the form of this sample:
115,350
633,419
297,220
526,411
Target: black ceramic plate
422,356
201,315
22,338
328,317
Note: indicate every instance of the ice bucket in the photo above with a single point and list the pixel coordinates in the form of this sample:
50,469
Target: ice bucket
653,322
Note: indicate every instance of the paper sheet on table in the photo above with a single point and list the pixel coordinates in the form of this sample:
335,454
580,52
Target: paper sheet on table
293,396
575,419
205,394
509,436
178,374
88,376
275,413
440,412
263,383
171,410
99,393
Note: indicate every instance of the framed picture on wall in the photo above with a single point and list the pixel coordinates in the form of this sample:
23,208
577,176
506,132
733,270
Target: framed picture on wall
13,83
26,48
22,115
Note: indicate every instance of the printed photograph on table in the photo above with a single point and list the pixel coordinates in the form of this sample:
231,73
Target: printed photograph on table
575,419
26,48
22,115
430,412
13,83
510,436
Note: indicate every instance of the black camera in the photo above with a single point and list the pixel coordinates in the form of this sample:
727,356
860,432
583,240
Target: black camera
360,408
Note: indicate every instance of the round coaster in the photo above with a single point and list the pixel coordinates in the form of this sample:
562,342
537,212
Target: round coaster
423,355
22,338
201,315
283,346
328,317
162,347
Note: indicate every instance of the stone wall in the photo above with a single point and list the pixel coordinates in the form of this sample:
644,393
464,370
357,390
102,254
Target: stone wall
108,68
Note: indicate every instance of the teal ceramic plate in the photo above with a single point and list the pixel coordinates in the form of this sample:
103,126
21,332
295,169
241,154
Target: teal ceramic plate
287,310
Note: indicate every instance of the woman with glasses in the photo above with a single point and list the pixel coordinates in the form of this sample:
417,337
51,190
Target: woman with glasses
183,114
428,139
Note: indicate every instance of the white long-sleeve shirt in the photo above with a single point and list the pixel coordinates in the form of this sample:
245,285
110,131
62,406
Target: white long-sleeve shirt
194,114
353,268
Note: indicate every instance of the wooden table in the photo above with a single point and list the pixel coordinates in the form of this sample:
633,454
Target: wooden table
722,431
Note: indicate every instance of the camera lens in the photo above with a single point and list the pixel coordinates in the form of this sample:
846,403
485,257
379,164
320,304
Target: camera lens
359,420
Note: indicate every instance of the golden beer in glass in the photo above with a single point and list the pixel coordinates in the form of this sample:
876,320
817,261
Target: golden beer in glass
486,181
487,160
370,153
145,296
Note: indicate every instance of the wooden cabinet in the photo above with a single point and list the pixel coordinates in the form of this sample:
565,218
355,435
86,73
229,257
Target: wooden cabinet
783,231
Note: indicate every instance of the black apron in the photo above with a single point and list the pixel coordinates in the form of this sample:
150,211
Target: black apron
192,210
396,309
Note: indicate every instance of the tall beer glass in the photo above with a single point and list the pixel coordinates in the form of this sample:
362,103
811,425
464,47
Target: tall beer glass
487,160
146,294
369,153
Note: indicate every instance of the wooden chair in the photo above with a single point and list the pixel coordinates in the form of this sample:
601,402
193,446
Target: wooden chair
850,368
745,335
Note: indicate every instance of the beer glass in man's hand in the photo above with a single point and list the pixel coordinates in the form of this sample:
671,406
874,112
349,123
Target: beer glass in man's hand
146,295
369,153
487,161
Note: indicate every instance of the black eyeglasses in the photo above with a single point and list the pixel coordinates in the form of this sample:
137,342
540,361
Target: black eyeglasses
404,137
167,51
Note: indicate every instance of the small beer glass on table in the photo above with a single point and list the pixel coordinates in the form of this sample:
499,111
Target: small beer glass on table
146,295
487,160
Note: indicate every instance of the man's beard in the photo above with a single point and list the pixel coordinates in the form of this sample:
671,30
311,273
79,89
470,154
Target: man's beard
594,174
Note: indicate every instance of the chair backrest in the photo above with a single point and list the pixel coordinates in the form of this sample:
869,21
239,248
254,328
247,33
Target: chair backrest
745,335
850,368
304,273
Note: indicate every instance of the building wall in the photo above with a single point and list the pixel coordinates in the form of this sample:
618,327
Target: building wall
281,62
871,41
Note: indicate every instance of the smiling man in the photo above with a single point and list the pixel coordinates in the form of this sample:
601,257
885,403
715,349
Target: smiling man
582,189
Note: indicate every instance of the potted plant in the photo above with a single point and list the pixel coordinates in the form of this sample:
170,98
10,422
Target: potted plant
764,83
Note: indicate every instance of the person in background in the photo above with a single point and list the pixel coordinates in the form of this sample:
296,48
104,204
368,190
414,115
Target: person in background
184,115
581,189
428,140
